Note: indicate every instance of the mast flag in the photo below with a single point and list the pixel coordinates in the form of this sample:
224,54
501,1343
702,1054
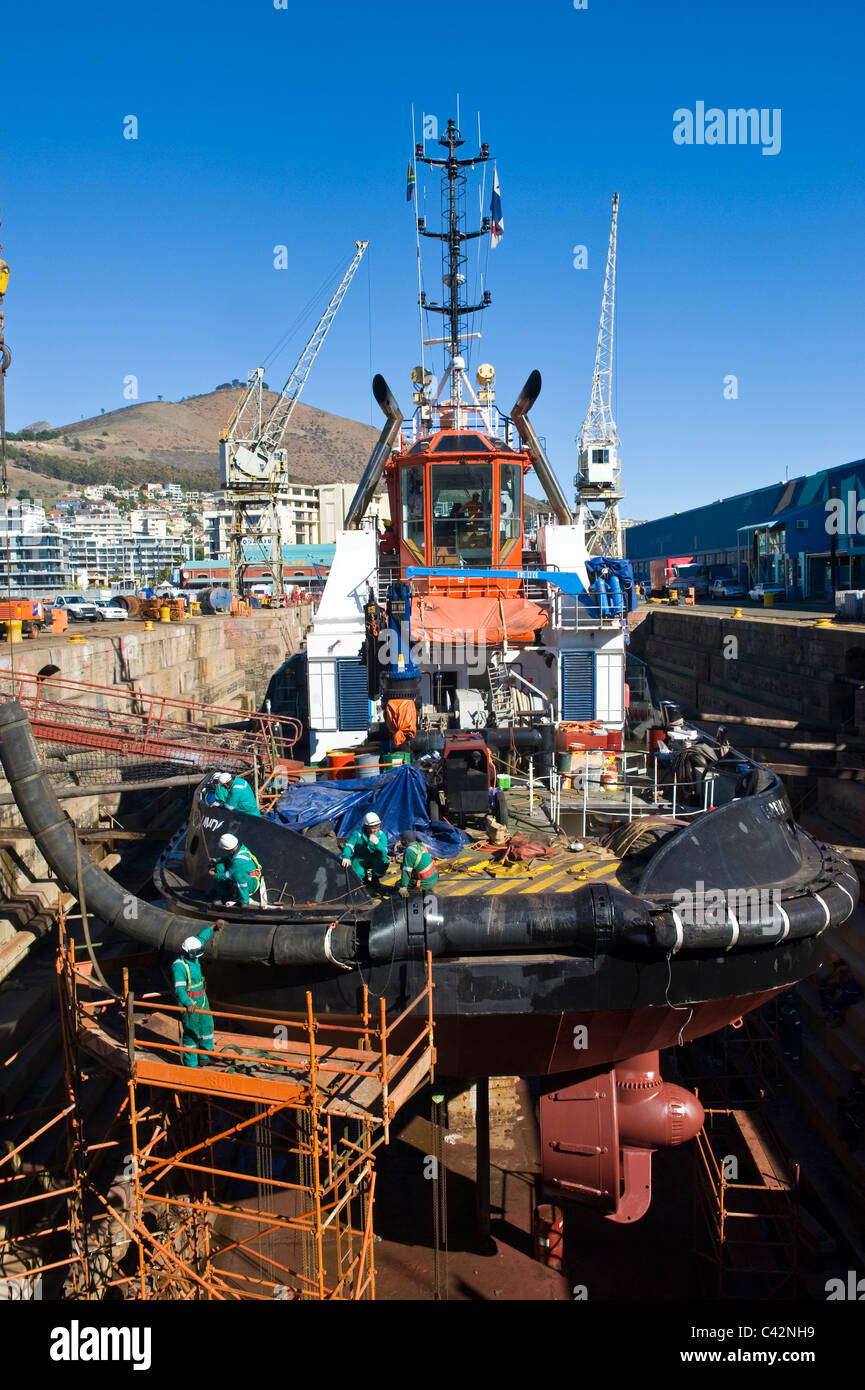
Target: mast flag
409,187
497,225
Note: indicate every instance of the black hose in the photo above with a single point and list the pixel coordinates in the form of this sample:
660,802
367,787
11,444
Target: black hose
54,833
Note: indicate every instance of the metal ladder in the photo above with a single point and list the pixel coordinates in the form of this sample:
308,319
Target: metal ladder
387,573
501,692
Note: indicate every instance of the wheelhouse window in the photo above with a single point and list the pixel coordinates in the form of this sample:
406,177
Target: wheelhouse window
462,513
510,507
462,443
413,508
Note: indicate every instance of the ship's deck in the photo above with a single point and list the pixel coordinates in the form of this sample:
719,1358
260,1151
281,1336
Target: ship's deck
475,871
478,870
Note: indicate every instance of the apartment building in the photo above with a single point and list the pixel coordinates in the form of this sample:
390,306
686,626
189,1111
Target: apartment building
34,554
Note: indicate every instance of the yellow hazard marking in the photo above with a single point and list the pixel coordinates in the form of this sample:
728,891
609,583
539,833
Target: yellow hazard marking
463,880
463,890
589,870
550,882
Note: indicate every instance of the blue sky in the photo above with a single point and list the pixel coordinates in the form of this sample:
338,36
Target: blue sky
260,127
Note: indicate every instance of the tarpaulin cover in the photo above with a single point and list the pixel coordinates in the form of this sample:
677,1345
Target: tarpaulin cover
444,619
622,569
399,797
400,717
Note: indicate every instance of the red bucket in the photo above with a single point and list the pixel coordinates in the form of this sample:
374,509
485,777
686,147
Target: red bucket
340,762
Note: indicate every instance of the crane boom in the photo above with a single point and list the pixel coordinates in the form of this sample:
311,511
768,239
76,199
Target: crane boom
598,481
252,439
599,425
254,465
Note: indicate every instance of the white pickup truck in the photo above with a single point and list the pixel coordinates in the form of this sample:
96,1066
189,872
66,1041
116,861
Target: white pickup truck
80,609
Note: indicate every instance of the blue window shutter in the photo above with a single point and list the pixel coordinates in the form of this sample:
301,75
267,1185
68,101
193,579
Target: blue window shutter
578,685
352,699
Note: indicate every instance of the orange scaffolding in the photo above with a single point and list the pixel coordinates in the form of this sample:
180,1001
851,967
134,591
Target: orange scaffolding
745,1208
249,1176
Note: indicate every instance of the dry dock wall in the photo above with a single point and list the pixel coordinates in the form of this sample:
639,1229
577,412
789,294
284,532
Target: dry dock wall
773,669
214,660
784,669
222,661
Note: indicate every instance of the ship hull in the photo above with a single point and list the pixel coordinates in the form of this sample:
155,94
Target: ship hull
534,1015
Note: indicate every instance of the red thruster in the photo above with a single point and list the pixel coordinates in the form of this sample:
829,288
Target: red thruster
598,1134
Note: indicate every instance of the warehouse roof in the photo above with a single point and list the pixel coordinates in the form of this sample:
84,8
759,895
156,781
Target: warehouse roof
716,525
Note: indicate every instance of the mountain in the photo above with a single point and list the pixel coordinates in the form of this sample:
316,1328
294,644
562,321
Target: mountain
177,441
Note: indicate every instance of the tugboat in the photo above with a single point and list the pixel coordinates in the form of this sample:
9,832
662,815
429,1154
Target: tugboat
673,893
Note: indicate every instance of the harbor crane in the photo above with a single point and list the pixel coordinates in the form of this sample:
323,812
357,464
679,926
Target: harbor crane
599,480
254,463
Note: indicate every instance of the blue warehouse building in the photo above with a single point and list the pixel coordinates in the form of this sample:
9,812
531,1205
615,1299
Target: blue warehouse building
792,534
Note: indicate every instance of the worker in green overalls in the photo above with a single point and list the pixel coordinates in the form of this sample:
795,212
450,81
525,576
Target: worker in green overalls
190,992
235,794
419,873
365,852
238,873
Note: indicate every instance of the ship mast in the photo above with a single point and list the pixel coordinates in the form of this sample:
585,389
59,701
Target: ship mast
453,236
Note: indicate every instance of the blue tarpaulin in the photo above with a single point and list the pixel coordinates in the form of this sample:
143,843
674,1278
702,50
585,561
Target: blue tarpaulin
399,797
600,568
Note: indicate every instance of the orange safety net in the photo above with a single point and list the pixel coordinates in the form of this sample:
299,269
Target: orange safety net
446,618
400,717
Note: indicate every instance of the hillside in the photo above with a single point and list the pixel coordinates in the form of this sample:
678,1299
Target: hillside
177,441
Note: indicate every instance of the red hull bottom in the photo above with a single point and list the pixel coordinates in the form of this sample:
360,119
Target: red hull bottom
471,1045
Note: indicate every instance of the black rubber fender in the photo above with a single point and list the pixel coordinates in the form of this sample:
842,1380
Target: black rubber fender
828,901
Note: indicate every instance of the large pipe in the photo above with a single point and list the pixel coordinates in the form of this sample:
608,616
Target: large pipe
544,469
54,833
380,454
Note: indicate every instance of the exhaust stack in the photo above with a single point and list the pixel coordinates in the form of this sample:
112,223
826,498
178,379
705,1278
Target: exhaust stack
386,440
544,469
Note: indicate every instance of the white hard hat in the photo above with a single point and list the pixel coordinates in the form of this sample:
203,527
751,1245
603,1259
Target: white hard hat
371,819
224,778
192,946
228,841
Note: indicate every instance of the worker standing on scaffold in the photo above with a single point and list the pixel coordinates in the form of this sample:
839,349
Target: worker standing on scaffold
191,994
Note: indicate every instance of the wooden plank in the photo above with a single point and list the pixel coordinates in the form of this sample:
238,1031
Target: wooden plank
770,1168
752,721
409,1084
208,1081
